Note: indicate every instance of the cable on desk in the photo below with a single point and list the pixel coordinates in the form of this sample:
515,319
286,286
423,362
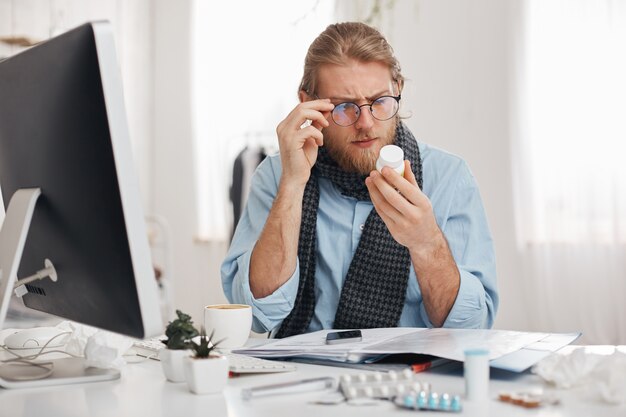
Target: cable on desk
28,360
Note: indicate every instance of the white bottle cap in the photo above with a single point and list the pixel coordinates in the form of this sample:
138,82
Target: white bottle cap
391,156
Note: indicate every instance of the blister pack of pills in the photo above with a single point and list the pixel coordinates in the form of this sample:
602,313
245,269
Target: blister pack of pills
384,385
429,401
400,387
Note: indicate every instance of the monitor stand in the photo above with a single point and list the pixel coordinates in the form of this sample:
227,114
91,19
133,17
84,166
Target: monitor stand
13,233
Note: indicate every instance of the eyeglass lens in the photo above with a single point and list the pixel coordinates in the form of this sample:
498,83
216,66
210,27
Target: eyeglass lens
383,108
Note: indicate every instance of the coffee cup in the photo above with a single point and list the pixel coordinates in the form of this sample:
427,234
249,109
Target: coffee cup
230,323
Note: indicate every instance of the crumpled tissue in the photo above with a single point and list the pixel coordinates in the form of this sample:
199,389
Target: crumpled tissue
600,376
100,348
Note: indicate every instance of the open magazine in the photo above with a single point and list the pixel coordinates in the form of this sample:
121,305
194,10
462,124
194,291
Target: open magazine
510,350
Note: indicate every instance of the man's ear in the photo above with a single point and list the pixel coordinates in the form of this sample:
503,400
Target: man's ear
400,86
303,96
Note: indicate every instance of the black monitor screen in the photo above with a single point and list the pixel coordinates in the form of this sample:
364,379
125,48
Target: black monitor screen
55,134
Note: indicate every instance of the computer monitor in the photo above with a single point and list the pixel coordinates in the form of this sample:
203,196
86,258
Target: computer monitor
65,161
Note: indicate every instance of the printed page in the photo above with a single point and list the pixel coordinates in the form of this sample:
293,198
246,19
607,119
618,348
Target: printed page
444,343
451,343
317,339
314,344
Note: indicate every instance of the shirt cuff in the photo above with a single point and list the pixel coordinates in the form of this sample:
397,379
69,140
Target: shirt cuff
267,312
470,309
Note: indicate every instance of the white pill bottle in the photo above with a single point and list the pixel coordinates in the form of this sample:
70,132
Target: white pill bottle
391,156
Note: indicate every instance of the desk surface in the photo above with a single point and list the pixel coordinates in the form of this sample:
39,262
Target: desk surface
143,391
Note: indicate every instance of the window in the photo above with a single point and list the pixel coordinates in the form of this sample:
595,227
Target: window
572,168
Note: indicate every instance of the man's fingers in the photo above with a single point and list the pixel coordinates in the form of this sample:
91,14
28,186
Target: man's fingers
310,132
407,185
390,193
386,211
312,111
408,173
309,146
319,125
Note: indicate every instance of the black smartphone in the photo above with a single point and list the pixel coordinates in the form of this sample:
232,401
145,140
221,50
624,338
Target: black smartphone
345,336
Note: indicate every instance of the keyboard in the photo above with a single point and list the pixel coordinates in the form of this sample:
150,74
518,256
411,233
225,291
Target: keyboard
243,364
238,364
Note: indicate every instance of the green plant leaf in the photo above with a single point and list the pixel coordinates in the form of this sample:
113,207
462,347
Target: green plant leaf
180,332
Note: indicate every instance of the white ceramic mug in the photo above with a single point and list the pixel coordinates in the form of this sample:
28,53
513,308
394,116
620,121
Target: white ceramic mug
230,322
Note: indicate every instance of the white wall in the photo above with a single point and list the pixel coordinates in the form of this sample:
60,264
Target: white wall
458,59
195,268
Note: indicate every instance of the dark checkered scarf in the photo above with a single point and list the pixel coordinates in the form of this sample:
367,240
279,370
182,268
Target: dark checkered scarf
374,290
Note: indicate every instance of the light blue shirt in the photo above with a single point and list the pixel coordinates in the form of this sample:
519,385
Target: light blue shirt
459,212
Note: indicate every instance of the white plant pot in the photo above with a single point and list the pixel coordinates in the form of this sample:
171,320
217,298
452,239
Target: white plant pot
172,363
206,376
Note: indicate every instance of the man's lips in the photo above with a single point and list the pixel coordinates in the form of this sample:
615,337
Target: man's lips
364,143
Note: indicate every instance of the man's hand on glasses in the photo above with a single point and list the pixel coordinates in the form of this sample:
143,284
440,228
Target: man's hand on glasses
299,144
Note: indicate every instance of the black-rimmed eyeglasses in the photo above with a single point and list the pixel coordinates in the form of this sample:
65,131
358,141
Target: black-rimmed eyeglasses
383,108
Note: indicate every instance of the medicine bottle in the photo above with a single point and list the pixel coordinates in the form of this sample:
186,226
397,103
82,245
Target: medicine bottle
391,156
476,372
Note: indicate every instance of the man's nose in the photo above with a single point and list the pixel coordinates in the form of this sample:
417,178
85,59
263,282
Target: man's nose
366,120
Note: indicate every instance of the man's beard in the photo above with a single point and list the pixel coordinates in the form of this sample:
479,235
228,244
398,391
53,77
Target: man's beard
361,161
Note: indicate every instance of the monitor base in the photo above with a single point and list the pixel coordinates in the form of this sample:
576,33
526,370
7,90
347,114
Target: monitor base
64,371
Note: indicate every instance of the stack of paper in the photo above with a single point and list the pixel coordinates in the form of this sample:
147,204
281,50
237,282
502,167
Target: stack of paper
509,350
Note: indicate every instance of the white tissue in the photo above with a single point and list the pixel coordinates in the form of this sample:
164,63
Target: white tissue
105,350
601,376
101,349
78,338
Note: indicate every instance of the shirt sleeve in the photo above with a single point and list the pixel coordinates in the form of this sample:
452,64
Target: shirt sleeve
268,312
470,242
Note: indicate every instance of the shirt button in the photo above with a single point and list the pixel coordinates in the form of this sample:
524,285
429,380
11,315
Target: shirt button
362,226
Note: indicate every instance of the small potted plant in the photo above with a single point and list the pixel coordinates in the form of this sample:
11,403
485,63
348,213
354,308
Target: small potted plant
179,333
206,372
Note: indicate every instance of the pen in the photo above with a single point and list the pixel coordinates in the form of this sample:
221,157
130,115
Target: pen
303,385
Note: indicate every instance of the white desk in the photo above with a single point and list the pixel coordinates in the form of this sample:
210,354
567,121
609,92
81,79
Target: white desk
143,391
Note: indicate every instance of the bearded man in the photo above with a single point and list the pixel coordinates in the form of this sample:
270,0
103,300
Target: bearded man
326,241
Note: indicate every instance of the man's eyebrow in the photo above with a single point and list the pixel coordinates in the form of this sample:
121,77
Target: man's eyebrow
352,99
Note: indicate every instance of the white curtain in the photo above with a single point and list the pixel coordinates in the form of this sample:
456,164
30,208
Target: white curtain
249,57
570,157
